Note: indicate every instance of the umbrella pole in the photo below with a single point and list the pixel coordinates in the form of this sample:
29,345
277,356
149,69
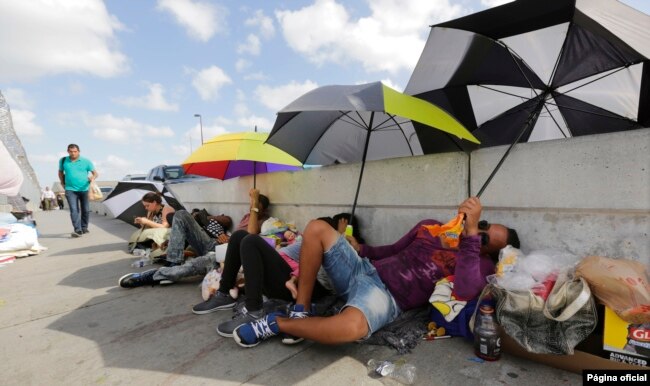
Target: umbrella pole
363,165
530,121
255,169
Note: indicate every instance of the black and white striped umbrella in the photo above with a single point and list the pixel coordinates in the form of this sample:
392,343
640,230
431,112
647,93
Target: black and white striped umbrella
125,200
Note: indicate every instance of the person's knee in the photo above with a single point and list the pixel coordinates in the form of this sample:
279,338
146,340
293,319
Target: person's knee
318,230
238,236
248,244
357,324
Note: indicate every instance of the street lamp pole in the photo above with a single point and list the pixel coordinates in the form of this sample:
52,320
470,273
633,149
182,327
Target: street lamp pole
201,124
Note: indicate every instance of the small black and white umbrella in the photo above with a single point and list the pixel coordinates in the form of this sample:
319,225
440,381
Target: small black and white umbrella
125,200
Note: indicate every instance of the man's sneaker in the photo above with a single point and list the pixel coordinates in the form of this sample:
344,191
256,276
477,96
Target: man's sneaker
219,301
84,231
76,234
132,280
297,311
241,317
252,333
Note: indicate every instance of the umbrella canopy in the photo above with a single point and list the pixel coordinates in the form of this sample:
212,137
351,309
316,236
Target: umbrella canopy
333,124
535,70
238,154
125,200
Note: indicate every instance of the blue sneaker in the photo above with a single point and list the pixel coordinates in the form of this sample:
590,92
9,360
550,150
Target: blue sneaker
297,311
253,333
138,279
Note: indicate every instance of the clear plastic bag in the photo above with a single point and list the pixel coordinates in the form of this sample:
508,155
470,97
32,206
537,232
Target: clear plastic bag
210,284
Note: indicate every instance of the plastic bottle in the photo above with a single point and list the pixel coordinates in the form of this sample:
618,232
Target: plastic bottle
143,255
487,342
400,371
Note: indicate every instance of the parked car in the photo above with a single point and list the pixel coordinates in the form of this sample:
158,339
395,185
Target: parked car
106,190
135,177
171,174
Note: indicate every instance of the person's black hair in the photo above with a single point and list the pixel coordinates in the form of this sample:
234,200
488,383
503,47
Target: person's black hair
328,220
513,238
264,201
152,197
170,218
355,225
73,146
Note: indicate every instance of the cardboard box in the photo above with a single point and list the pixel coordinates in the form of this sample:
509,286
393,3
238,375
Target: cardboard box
588,355
626,343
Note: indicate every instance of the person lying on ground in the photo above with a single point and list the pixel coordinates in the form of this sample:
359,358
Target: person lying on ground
388,280
185,228
267,271
217,227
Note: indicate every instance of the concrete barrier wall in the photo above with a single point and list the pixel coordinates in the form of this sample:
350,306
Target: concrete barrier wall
588,195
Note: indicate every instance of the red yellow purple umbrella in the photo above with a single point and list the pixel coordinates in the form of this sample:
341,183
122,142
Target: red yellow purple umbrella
238,154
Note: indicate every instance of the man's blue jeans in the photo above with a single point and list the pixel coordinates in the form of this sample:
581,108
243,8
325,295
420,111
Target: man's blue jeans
79,209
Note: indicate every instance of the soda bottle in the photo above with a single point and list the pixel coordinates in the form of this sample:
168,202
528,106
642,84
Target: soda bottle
487,343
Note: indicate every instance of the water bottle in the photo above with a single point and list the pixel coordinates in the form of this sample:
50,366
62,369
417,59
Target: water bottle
487,343
400,371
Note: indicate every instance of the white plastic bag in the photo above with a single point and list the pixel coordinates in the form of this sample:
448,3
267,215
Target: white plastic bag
210,284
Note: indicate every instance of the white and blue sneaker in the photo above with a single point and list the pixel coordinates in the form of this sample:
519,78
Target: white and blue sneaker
297,311
253,333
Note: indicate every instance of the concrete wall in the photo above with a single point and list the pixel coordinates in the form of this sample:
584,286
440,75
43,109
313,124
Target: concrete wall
588,195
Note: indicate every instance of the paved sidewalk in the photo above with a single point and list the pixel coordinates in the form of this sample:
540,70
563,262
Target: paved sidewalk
64,321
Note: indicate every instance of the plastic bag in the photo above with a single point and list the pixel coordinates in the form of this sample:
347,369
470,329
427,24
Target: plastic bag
621,284
450,232
272,225
94,193
210,284
536,271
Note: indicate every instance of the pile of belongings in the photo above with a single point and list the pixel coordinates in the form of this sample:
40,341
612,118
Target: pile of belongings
17,239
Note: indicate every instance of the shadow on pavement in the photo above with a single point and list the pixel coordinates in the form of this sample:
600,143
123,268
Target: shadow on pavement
153,329
114,247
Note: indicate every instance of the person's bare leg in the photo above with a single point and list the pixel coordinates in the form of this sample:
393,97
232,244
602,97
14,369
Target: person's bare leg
348,326
291,285
318,237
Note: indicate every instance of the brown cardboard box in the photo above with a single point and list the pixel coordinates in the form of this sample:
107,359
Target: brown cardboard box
588,355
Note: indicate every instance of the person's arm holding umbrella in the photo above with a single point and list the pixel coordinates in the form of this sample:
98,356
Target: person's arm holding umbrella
254,214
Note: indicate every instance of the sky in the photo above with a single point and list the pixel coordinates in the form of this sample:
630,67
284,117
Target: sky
124,79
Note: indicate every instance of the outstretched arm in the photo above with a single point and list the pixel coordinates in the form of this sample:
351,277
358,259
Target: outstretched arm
392,249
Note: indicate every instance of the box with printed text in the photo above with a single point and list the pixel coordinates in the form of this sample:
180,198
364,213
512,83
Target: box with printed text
625,342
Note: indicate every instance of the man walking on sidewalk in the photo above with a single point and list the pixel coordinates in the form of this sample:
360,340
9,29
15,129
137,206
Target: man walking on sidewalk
74,176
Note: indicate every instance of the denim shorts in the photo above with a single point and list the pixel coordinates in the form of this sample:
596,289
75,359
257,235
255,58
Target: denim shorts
356,280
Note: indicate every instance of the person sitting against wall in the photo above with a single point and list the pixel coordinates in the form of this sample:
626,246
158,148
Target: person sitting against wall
386,281
154,227
185,229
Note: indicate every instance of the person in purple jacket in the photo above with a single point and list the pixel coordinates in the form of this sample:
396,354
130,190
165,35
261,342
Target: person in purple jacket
384,282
